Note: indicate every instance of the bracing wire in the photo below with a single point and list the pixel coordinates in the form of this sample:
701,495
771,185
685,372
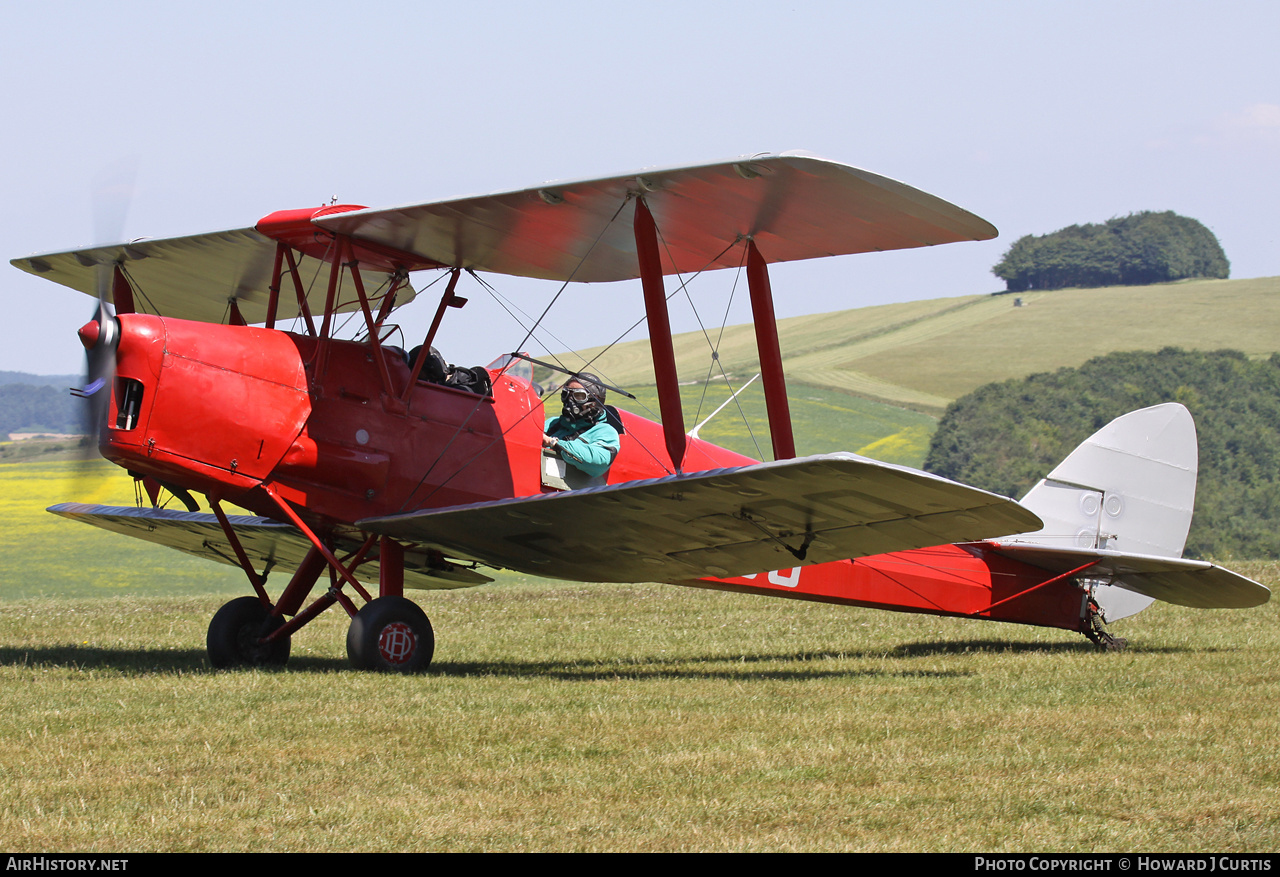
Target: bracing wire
532,329
511,308
574,272
137,288
637,323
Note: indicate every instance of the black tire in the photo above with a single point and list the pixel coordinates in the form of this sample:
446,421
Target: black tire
234,633
391,635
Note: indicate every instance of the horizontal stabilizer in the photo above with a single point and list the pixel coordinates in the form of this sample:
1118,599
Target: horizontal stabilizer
1194,583
722,522
269,544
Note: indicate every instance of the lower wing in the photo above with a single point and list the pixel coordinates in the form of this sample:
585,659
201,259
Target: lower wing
722,522
269,544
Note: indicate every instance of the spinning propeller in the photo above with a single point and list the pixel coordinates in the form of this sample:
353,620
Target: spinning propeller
100,337
112,192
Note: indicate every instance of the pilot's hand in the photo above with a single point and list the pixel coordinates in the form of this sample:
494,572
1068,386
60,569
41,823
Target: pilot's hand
548,441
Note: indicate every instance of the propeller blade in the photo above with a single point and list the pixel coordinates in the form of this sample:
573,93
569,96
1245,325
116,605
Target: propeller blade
113,188
112,193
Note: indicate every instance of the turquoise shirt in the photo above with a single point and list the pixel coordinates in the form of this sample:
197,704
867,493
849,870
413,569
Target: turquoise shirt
594,448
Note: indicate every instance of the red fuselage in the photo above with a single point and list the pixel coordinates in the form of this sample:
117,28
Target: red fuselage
224,409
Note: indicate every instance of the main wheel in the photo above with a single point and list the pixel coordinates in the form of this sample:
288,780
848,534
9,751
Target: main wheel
234,634
391,634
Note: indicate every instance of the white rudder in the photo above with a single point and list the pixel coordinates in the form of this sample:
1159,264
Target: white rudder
1129,487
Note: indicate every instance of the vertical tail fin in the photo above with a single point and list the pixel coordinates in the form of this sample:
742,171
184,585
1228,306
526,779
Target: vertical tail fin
1129,487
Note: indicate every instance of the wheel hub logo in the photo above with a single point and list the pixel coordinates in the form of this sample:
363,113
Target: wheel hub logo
397,643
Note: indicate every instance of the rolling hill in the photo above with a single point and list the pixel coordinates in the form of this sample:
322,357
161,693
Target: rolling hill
871,381
926,354
921,356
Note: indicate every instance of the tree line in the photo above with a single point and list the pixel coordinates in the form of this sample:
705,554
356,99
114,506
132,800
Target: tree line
1137,249
39,408
1006,436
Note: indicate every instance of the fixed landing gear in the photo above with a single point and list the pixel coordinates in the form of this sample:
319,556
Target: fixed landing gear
235,634
1092,627
391,634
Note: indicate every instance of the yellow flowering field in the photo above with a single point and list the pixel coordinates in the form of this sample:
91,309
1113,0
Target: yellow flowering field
45,555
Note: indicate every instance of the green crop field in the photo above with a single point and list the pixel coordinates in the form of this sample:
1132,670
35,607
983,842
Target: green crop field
824,420
45,555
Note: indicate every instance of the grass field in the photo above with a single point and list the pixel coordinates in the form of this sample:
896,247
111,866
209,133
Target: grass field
600,717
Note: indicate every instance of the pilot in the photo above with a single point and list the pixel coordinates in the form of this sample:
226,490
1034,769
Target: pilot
581,435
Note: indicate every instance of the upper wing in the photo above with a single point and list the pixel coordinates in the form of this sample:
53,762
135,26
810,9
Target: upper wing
793,205
269,544
722,522
1194,583
196,277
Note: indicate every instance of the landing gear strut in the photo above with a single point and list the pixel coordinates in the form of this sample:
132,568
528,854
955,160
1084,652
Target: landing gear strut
1092,627
390,634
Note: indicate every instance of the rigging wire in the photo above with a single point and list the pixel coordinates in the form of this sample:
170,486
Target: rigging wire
297,319
138,289
458,431
531,330
509,306
642,319
575,270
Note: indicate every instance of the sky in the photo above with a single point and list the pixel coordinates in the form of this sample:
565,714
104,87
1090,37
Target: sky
1033,115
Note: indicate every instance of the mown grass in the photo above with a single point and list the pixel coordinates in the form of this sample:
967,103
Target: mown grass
602,717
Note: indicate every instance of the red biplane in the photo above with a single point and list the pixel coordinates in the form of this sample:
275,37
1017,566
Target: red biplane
363,462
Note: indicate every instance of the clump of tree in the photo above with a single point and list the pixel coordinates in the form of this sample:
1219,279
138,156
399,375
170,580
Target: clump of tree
1132,250
1004,437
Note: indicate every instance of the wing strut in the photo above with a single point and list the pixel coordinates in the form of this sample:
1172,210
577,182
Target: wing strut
664,356
775,383
448,300
121,292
